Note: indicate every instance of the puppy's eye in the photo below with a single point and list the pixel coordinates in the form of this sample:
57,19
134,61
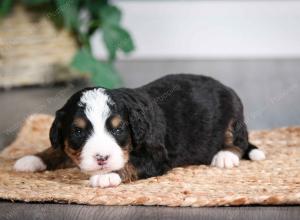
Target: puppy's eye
117,131
77,132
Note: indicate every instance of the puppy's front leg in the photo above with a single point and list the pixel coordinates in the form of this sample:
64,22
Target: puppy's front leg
50,159
127,174
140,170
105,180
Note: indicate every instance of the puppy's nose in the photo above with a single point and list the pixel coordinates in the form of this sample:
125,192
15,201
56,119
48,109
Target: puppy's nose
101,159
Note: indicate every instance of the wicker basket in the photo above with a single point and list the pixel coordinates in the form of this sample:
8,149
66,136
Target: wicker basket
33,51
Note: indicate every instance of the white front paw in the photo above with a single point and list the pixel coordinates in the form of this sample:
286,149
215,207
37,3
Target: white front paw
225,159
105,180
29,164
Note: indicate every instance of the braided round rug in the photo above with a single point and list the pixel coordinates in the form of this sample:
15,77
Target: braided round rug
271,182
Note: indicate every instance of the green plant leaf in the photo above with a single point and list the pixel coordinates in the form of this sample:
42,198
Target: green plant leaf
68,9
110,15
116,38
102,73
94,6
5,6
35,2
126,43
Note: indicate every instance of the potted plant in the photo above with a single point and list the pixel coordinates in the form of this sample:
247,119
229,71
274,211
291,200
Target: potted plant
85,20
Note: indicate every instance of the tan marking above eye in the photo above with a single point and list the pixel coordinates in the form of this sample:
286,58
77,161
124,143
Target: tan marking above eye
80,122
116,121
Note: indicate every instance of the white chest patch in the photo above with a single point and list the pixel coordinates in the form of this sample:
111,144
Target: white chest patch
101,142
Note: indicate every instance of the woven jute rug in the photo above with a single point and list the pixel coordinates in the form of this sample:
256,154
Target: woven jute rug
271,182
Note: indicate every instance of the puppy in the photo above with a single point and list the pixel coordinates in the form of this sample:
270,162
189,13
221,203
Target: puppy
121,135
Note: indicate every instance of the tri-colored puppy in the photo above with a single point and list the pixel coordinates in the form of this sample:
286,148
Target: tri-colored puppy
122,135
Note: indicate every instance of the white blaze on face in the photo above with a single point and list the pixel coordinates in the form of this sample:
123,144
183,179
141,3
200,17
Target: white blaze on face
100,142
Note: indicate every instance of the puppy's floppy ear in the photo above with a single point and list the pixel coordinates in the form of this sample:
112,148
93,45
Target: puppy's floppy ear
147,123
56,136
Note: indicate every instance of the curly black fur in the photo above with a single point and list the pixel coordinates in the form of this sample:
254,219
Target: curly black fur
180,120
174,121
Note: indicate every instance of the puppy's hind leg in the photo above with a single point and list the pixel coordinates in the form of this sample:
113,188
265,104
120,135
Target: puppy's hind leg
253,153
240,139
231,153
236,146
228,157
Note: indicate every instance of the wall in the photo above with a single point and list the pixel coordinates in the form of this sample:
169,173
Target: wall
252,46
213,29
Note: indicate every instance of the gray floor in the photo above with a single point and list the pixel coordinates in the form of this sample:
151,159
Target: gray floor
78,212
269,89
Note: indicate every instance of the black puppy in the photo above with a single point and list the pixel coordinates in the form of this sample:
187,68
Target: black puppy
122,135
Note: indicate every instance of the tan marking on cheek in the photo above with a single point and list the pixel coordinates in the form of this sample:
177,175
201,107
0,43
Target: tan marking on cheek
116,121
126,150
80,122
125,155
128,173
73,154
